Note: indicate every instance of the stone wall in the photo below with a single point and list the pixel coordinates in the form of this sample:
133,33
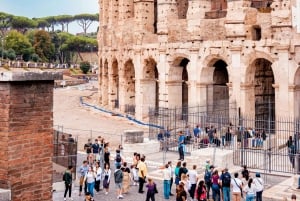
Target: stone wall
26,132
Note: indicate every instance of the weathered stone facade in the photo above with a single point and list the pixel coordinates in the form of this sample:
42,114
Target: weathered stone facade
168,53
26,133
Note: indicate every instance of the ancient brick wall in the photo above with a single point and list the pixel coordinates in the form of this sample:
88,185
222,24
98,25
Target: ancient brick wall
26,145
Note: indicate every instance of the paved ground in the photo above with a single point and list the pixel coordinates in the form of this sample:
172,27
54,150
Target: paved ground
69,114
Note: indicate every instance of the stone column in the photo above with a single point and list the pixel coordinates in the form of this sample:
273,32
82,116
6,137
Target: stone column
144,15
26,134
247,99
202,96
138,90
162,68
167,12
104,88
148,91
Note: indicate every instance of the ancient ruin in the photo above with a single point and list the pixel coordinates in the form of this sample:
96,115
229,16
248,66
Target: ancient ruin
170,53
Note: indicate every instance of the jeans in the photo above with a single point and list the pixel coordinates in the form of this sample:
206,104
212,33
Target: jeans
166,189
226,193
259,196
171,182
216,192
181,154
249,197
90,187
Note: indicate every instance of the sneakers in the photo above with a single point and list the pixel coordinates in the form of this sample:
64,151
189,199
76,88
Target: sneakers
106,193
65,198
120,197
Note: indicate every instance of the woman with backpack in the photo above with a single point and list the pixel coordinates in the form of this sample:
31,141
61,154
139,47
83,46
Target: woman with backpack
200,193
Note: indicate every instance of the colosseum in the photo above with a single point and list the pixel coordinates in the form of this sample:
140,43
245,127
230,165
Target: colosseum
212,53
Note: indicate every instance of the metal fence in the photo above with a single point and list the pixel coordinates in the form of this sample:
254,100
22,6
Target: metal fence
257,142
68,141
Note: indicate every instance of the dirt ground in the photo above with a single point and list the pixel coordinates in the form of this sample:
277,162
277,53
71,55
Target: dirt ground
85,122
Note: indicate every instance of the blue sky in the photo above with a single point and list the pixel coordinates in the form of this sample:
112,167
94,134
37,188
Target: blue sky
43,8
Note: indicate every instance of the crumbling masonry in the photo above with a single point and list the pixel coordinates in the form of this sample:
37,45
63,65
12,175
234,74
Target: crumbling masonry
174,53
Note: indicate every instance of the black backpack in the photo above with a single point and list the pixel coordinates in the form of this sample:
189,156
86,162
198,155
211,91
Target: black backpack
207,176
118,158
226,179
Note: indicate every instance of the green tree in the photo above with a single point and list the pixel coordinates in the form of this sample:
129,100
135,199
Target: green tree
43,46
22,23
41,23
18,42
5,20
85,20
64,21
85,66
11,55
51,21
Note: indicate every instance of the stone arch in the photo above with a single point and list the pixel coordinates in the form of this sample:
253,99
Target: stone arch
129,86
215,77
178,84
296,90
105,83
260,78
115,83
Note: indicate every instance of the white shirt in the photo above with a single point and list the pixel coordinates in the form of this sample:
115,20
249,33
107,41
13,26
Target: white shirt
98,174
90,177
166,174
236,183
259,184
192,176
250,191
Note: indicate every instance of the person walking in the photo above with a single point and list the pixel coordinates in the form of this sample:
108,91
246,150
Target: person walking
118,176
249,189
200,193
151,190
142,173
215,186
193,180
82,171
90,180
181,140
126,178
106,180
259,184
67,177
226,181
237,187
171,170
176,171
166,180
98,171
181,194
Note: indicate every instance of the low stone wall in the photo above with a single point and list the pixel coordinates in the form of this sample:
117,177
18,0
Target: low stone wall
5,195
147,147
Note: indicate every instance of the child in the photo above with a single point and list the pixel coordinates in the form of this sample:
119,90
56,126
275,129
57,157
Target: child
151,186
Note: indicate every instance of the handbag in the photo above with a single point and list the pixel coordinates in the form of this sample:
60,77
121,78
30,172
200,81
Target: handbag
155,189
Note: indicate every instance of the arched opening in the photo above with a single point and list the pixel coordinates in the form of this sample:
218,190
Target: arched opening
297,94
105,83
155,16
220,92
185,89
115,84
150,84
182,7
264,95
129,87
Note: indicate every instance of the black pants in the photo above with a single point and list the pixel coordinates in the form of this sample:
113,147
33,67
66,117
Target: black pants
181,154
85,188
150,196
68,188
97,185
171,182
141,184
192,190
208,187
259,196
